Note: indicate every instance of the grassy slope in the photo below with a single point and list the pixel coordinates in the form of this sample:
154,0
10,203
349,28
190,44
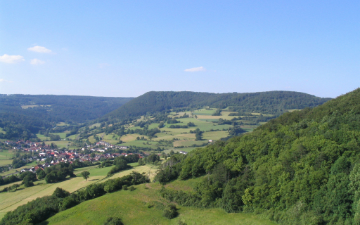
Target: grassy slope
132,208
5,157
11,200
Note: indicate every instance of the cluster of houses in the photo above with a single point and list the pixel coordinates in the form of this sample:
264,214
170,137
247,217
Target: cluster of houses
70,157
29,146
46,156
106,145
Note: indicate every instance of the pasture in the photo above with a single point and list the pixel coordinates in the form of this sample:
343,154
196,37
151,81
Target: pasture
5,157
42,137
62,124
60,144
62,135
132,208
180,136
94,125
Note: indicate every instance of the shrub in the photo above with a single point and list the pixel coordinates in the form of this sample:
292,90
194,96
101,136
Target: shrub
68,202
60,193
170,211
113,221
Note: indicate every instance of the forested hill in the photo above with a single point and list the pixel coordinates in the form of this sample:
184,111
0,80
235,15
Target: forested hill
273,102
60,107
21,116
301,168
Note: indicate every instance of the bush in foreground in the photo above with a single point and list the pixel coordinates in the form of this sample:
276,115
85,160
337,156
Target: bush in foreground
113,221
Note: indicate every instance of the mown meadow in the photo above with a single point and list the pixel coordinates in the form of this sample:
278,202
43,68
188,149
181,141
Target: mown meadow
144,206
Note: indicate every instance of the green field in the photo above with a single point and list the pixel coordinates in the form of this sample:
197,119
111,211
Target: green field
111,138
181,136
132,208
62,124
5,157
2,131
95,124
207,111
42,137
62,135
11,200
4,162
60,144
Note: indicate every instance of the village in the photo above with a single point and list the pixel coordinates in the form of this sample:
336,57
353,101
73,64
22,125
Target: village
48,155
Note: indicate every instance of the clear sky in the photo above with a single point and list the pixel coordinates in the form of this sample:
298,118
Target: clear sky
126,48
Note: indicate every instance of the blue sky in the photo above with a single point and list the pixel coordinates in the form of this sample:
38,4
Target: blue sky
127,48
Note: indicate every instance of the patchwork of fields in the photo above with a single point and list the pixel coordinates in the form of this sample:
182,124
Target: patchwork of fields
181,138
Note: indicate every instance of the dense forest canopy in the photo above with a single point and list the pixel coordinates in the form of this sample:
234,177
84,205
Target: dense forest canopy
273,102
60,107
21,116
301,168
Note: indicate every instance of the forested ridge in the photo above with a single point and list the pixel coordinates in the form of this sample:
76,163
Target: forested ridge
272,102
22,116
301,168
60,107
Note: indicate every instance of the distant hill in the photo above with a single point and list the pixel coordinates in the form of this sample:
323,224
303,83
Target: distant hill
300,168
19,113
273,102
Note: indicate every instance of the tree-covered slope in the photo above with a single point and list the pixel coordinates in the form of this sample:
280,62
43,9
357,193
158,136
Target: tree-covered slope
23,115
301,168
273,102
61,107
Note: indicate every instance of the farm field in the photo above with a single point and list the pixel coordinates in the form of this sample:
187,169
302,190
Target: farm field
132,208
42,137
11,200
60,144
4,162
62,135
181,139
178,136
95,125
5,157
62,124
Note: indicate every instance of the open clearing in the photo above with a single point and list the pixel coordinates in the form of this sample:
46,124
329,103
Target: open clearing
62,124
62,135
33,106
132,208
